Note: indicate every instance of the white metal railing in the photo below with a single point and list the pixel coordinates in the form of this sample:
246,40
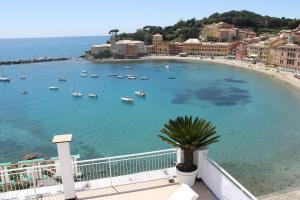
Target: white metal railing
29,182
24,182
119,170
221,183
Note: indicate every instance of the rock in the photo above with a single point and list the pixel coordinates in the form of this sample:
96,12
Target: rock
30,156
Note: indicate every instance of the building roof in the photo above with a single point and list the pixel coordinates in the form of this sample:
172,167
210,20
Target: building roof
129,42
192,41
101,45
157,34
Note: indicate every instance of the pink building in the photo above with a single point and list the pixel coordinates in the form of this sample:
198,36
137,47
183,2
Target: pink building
290,56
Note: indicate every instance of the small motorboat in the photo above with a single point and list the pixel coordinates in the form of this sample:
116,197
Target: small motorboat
62,79
22,77
76,94
112,75
83,75
94,76
84,71
120,76
24,92
131,77
127,99
127,67
93,95
144,78
128,75
172,77
53,88
4,79
140,93
167,66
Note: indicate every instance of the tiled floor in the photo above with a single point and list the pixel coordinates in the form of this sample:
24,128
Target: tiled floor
291,194
158,190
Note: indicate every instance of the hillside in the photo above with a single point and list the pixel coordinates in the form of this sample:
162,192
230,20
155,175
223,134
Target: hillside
191,28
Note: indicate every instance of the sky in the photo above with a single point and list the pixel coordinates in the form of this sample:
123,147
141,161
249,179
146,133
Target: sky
53,18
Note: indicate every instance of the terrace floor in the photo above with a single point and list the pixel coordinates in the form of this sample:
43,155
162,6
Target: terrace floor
157,189
290,194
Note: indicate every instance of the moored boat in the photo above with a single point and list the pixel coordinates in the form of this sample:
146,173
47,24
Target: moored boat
112,75
120,76
127,99
76,94
127,67
4,79
83,75
24,92
62,79
131,77
95,76
53,88
144,78
92,95
140,93
22,77
84,71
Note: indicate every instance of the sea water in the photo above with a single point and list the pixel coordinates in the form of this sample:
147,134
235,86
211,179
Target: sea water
256,115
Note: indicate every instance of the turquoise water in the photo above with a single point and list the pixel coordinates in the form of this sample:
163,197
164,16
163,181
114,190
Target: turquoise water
256,115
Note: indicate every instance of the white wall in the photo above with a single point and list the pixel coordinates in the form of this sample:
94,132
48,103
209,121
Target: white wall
222,184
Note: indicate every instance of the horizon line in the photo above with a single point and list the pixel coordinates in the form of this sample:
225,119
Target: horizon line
43,37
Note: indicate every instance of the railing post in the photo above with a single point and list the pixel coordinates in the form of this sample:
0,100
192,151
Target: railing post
110,173
65,164
178,156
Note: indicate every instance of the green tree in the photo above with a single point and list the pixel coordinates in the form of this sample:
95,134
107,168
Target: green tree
189,135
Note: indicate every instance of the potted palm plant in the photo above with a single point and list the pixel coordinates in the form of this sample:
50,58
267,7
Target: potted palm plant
188,135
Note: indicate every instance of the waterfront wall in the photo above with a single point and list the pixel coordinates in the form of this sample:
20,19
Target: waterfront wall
38,60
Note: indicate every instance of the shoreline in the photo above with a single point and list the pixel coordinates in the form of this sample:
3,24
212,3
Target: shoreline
287,77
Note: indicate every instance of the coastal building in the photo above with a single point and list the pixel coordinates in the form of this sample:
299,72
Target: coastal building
215,49
219,32
175,48
246,33
255,51
128,49
160,46
194,46
290,57
97,50
149,49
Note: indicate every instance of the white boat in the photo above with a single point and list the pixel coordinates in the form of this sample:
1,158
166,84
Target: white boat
93,95
128,75
84,71
167,66
144,78
131,77
62,79
22,77
24,92
83,75
95,76
120,76
127,99
127,67
140,93
53,88
4,79
76,94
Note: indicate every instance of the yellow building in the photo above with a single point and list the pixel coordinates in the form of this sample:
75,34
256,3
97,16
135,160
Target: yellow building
159,46
215,49
194,46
